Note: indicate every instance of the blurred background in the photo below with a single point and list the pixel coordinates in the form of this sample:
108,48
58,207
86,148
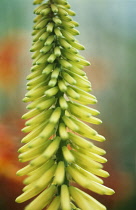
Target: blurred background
108,31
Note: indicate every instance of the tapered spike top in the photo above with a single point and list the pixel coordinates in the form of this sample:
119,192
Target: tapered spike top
59,94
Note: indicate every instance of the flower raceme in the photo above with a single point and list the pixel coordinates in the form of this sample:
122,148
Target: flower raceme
59,92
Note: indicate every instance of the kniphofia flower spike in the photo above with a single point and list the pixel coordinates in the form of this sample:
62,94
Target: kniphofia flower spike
59,92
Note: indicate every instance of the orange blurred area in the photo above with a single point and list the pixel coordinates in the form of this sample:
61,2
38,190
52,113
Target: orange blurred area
8,71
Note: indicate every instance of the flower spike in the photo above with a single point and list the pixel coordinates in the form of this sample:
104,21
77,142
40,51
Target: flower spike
59,91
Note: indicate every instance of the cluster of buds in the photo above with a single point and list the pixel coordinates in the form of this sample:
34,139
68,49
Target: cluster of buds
59,92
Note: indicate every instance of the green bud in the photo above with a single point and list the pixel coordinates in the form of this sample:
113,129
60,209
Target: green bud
46,178
37,34
84,129
70,56
67,24
30,114
52,91
68,36
59,174
55,115
39,118
49,40
63,132
83,160
41,24
37,80
65,197
37,67
45,49
93,156
66,18
43,199
65,63
54,8
36,93
55,73
52,82
48,69
58,32
76,24
63,2
44,36
34,104
46,104
57,20
63,103
31,154
54,204
51,58
50,27
39,8
37,173
73,94
62,11
42,59
33,75
57,51
34,133
70,12
45,11
26,170
37,1
62,86
47,131
35,54
38,45
37,18
64,43
72,31
68,155
70,124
